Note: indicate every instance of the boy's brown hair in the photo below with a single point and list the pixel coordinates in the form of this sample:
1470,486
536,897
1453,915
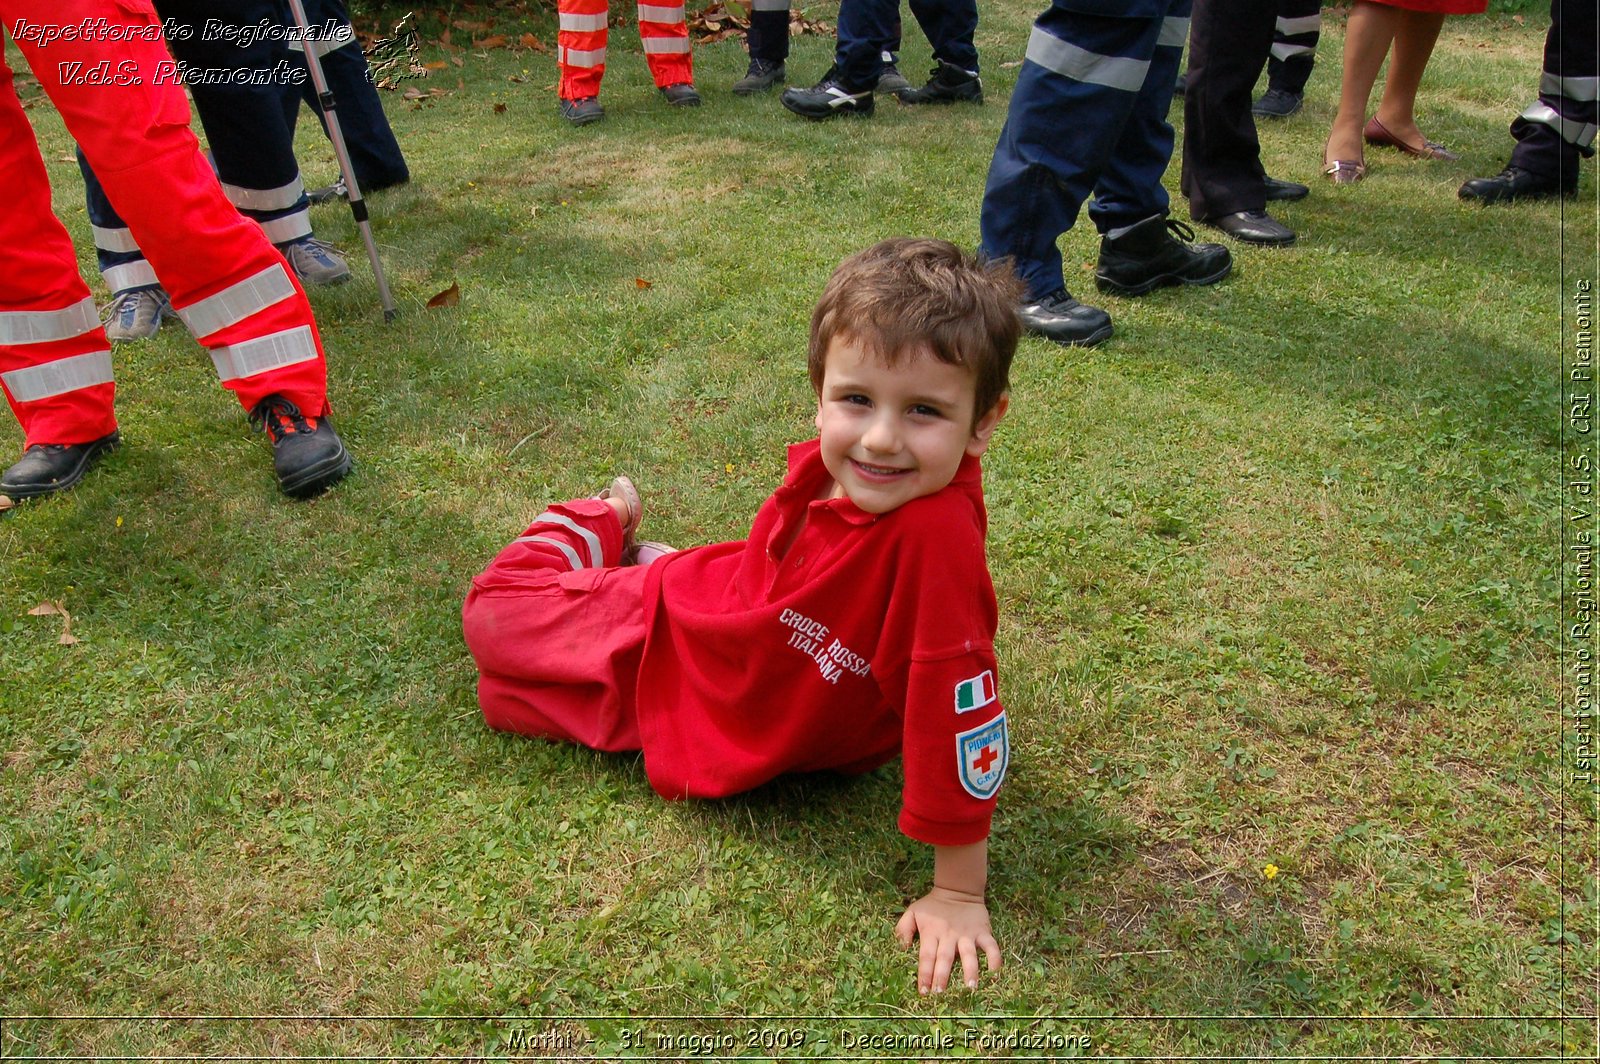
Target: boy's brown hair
908,293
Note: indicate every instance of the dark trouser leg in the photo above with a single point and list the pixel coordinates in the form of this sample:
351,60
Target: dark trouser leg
865,28
769,30
1130,189
1084,74
1294,45
950,26
1228,45
1560,127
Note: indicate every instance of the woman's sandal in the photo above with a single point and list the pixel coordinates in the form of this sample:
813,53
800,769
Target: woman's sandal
1378,133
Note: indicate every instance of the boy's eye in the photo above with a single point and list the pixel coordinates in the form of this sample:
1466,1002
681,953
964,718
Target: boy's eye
856,399
923,410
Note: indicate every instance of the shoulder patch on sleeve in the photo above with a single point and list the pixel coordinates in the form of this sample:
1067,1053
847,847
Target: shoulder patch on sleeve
976,692
981,757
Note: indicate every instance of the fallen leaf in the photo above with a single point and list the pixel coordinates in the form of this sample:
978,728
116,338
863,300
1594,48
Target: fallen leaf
497,41
46,609
463,24
516,80
640,282
67,639
499,108
530,41
437,64
415,94
1518,19
458,61
6,503
448,298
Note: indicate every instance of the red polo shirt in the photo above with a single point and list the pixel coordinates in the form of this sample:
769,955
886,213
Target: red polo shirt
872,636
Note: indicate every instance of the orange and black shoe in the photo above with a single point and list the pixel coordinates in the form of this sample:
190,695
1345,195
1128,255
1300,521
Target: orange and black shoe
307,454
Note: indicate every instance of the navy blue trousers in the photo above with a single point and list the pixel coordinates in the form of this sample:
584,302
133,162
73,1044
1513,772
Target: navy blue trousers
1554,132
1089,115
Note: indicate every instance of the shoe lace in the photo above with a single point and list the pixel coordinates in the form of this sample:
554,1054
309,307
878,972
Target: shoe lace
279,418
1059,300
1181,230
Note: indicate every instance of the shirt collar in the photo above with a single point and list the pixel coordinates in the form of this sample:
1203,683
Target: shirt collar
806,473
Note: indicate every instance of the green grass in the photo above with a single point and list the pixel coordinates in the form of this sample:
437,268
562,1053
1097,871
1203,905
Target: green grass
1277,569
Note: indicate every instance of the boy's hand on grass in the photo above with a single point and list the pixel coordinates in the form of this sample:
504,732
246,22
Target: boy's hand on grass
951,925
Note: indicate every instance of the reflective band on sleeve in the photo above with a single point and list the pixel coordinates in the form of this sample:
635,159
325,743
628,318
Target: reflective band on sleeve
294,226
345,34
265,199
43,326
1305,24
1073,62
238,301
1578,90
1577,134
119,240
1289,51
578,57
1174,32
572,555
665,45
588,537
770,5
59,377
583,23
129,275
670,16
273,351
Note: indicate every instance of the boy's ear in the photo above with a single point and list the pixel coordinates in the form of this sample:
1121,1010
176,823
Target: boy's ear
986,426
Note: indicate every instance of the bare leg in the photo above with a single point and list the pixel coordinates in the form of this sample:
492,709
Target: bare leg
1368,32
1414,39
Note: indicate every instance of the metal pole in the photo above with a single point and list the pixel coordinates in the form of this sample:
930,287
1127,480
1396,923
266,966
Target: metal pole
358,206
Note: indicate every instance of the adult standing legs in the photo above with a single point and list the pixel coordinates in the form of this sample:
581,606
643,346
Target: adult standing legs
1557,129
1229,41
1100,78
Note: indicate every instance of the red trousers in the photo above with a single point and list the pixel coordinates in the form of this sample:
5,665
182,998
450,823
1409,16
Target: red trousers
120,102
557,630
581,45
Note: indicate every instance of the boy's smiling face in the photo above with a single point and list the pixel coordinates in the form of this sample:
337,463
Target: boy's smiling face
893,434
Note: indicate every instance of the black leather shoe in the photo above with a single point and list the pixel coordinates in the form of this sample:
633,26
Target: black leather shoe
761,76
1254,227
1275,103
827,99
1511,184
46,468
1158,251
307,454
1286,191
1063,319
582,111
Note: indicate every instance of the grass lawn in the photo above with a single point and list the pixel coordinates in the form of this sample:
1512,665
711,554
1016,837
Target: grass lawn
1279,568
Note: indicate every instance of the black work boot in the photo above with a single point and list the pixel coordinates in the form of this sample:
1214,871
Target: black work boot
1156,252
46,468
761,76
948,83
1514,183
307,454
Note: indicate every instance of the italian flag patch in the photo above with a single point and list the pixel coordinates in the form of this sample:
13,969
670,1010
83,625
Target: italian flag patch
975,693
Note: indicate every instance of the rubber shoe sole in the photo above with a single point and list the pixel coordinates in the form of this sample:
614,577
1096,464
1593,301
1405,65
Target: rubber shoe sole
1150,284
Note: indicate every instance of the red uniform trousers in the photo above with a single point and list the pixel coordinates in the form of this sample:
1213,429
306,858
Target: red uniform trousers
557,629
230,286
581,45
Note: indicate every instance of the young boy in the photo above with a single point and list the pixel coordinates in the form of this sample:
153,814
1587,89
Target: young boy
856,622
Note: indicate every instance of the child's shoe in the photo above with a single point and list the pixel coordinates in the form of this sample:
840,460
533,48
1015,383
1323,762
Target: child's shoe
622,488
646,552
